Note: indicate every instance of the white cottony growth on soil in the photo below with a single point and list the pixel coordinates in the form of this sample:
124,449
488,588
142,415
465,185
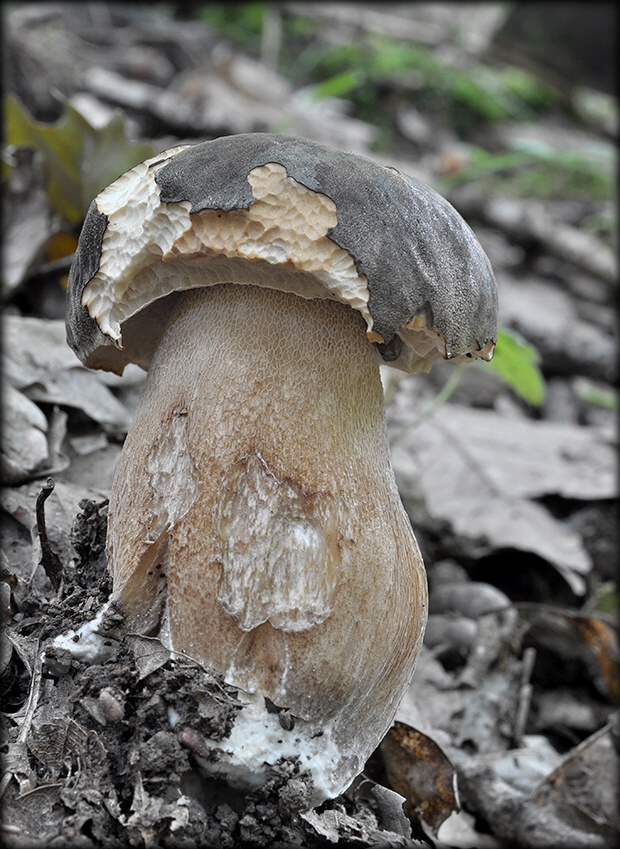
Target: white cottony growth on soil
258,739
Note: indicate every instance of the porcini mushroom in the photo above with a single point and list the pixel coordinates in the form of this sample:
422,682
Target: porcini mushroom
254,521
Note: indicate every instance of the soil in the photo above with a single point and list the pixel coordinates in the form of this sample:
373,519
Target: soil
112,748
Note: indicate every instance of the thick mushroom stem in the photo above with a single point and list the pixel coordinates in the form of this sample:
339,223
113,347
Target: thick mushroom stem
255,521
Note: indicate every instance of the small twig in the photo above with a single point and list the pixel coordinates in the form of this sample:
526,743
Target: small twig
439,399
4,783
49,559
31,706
271,36
33,695
608,619
525,695
483,653
54,267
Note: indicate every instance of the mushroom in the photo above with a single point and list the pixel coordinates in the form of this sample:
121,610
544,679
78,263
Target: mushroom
254,523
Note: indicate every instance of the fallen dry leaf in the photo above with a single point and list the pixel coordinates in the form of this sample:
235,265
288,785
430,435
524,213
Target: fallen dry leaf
28,223
24,446
584,788
39,362
479,472
418,769
603,642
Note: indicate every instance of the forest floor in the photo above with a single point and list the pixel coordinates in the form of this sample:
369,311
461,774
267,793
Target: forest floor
507,736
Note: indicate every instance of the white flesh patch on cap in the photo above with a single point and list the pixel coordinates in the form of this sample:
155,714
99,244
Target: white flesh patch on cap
140,229
284,231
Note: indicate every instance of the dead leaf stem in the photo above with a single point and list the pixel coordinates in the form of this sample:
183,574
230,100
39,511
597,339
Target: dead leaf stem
49,559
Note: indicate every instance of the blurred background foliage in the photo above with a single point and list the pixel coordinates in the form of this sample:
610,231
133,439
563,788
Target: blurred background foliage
80,160
377,74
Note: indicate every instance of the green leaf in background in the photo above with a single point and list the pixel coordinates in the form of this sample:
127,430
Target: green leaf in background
61,146
338,85
80,159
516,362
605,600
599,395
535,170
106,154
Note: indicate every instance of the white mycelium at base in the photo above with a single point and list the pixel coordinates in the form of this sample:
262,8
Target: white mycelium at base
88,642
258,739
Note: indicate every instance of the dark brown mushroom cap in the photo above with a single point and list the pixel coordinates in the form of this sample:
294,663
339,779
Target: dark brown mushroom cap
421,263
